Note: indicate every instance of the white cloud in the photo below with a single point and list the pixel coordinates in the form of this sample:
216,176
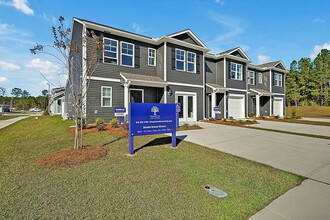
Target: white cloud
319,20
48,18
221,2
45,67
21,5
263,59
3,79
8,66
318,48
137,29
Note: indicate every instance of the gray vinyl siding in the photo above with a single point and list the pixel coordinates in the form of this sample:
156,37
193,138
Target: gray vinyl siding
265,80
232,83
210,71
151,94
236,53
140,59
183,76
186,38
199,93
160,61
251,105
220,71
277,89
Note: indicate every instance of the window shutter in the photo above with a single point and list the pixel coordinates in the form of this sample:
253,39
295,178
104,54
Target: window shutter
198,66
228,64
244,73
137,56
273,75
100,49
173,58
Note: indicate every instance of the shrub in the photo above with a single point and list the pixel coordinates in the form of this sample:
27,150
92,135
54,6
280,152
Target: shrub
211,119
232,121
196,126
185,126
99,121
84,124
219,118
248,121
101,127
277,116
126,126
254,121
231,118
251,114
294,113
224,120
286,117
114,121
241,122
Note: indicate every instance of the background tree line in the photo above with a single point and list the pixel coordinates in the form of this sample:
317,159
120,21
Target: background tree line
308,81
22,100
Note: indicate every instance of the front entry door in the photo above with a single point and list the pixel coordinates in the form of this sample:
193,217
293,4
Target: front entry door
136,96
188,106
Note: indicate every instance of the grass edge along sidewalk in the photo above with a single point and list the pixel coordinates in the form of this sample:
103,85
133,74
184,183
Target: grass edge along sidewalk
157,182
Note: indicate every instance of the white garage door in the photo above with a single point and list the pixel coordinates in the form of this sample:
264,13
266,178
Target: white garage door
278,106
236,107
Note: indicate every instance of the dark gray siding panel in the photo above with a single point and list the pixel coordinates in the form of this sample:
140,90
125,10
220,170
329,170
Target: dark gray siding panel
236,53
210,71
265,106
94,108
160,61
220,71
277,89
265,80
183,76
251,105
199,93
185,37
232,83
113,71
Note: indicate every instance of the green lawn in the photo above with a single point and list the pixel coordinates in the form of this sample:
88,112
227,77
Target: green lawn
6,117
156,183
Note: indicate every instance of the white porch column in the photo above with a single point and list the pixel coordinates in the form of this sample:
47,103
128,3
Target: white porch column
225,105
126,97
213,103
257,105
165,94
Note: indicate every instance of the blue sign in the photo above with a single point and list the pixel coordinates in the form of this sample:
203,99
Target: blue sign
216,109
151,118
120,111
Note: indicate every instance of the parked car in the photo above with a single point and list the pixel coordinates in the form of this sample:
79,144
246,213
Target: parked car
35,110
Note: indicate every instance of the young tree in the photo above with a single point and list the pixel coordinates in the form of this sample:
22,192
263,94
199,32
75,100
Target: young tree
44,92
79,68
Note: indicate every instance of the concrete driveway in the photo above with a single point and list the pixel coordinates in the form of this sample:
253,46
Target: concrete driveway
309,157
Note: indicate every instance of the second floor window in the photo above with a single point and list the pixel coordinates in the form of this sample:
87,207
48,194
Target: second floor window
110,51
278,79
251,78
260,78
236,71
180,59
151,57
191,62
127,54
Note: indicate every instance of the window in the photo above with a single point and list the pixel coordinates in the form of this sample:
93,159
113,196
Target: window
110,51
151,57
180,59
191,62
127,54
278,79
236,71
106,96
251,78
260,78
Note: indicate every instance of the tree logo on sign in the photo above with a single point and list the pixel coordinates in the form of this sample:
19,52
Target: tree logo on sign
154,109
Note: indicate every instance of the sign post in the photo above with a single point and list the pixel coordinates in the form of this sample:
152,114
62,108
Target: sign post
216,111
178,110
151,118
119,112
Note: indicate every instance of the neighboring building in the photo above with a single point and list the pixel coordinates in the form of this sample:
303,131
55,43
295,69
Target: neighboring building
56,101
170,69
4,108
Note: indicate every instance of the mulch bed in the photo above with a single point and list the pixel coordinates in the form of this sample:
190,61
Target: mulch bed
231,122
68,157
109,129
190,127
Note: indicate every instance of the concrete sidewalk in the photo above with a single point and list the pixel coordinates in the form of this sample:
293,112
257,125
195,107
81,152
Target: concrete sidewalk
306,156
294,127
317,119
5,123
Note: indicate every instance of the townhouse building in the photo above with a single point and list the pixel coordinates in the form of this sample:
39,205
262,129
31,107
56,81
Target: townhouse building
174,68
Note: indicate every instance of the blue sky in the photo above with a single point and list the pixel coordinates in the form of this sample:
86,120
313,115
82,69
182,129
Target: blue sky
266,30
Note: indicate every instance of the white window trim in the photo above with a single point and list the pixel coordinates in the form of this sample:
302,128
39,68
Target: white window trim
236,71
121,54
188,52
129,100
279,83
184,60
106,97
249,77
260,78
152,57
111,51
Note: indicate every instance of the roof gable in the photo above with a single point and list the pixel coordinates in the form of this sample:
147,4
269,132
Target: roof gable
238,52
187,36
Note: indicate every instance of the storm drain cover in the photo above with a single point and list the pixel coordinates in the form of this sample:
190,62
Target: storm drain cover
215,191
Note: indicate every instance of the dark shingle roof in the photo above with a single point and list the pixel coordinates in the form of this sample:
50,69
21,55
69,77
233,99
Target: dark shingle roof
267,65
131,76
216,86
228,51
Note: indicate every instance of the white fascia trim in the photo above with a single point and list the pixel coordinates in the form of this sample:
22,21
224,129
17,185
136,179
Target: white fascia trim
84,67
278,94
279,70
270,81
216,56
241,90
148,83
203,84
224,72
259,93
191,34
185,84
244,54
104,79
181,43
165,71
217,89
